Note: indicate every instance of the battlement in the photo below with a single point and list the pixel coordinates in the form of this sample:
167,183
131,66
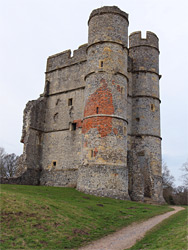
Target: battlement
107,10
135,40
64,58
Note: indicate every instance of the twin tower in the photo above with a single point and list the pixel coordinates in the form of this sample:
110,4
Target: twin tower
96,127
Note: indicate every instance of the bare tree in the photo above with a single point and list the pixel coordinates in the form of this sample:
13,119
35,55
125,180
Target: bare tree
168,179
168,184
2,169
8,164
180,195
184,177
175,195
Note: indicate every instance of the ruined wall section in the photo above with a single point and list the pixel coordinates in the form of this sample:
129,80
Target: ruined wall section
32,133
32,137
62,146
145,155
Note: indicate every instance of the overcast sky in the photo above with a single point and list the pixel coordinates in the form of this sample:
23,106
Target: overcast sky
32,30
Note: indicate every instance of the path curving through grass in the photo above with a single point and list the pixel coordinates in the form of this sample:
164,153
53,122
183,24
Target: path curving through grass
127,237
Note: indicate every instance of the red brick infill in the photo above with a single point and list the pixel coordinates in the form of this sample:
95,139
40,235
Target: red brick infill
100,102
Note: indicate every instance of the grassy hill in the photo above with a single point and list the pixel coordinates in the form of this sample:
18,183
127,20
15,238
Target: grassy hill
40,217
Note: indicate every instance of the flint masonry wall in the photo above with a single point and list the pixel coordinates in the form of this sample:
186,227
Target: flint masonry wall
64,113
145,153
104,169
96,127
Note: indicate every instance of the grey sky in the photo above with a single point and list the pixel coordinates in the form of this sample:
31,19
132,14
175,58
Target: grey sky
32,30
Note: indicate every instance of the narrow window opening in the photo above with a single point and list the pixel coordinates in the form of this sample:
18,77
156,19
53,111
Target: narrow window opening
70,102
92,153
127,89
101,64
97,110
124,130
54,163
137,119
72,126
152,107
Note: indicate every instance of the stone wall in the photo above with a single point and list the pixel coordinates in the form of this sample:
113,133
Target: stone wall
62,139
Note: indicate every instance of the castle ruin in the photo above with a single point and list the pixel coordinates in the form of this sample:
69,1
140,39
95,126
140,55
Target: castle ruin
96,127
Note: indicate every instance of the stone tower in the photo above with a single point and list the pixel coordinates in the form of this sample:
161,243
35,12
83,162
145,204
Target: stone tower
104,170
96,127
145,154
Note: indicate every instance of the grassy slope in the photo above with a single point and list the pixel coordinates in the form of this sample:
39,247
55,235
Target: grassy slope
39,217
171,234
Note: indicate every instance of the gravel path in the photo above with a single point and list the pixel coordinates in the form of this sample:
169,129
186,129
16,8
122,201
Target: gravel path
127,237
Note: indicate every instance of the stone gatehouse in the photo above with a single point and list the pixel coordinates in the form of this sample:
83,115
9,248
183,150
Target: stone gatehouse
96,127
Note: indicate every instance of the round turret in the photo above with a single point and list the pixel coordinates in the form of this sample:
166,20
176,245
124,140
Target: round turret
136,40
104,170
145,52
145,86
108,24
146,141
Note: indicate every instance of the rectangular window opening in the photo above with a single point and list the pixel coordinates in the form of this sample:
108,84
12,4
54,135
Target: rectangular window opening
54,163
127,89
97,110
101,64
124,130
72,126
152,107
70,102
92,153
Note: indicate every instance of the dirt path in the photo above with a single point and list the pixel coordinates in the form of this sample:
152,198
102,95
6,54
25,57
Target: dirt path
127,237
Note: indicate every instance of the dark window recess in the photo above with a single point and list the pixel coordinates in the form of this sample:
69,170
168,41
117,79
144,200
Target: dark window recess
92,153
72,126
127,89
97,110
137,119
39,138
70,102
101,64
139,136
54,163
152,107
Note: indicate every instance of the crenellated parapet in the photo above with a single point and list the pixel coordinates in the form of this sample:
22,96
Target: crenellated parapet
114,30
136,40
64,59
144,52
106,10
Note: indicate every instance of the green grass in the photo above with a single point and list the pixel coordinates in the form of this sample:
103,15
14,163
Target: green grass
170,234
40,217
